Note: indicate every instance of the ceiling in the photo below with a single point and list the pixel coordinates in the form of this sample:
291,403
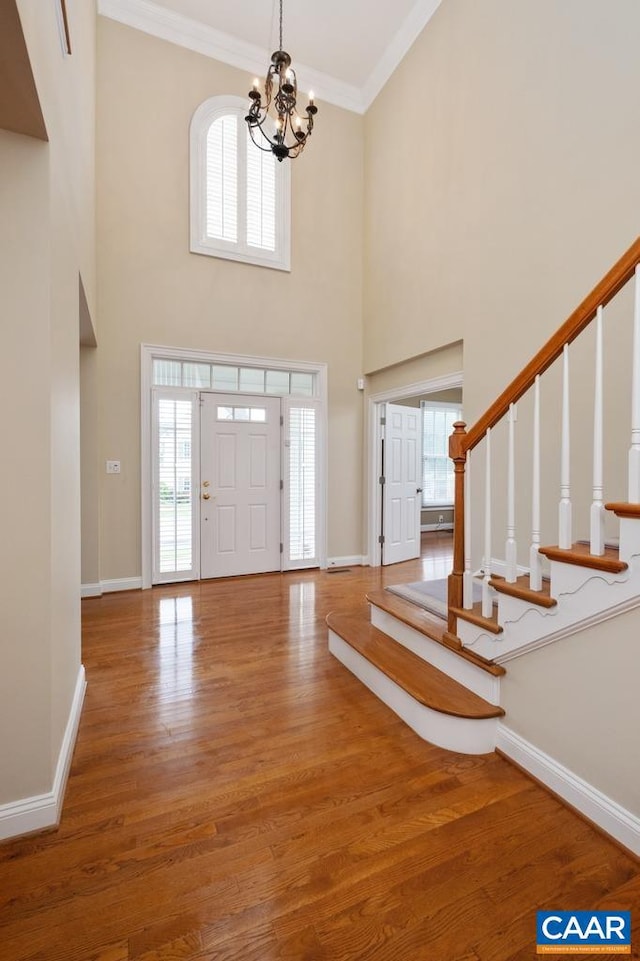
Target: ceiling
344,50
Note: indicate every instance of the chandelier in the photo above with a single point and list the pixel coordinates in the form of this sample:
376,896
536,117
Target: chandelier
290,128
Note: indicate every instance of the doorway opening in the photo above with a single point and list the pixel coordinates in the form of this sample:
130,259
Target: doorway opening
395,529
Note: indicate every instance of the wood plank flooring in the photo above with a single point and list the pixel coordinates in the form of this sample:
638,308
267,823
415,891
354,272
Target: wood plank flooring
237,795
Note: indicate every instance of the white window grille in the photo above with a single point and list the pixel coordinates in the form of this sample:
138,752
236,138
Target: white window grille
240,195
437,469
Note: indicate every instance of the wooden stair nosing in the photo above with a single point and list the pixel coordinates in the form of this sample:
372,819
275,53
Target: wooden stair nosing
425,683
412,616
475,616
580,556
624,510
520,588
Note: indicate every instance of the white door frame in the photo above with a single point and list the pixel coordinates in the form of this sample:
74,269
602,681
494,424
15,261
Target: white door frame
150,352
374,445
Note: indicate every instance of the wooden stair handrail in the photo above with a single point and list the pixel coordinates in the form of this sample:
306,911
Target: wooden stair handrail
602,293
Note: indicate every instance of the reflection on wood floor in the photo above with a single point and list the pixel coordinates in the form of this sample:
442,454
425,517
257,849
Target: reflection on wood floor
237,794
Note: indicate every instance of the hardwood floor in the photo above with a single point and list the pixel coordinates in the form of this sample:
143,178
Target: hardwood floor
237,795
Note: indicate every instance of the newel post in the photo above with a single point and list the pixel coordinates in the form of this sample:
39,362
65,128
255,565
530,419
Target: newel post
458,455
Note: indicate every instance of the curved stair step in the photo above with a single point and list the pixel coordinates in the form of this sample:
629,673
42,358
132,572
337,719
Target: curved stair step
437,708
432,626
421,680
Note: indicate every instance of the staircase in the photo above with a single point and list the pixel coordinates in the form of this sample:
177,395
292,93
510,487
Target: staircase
443,677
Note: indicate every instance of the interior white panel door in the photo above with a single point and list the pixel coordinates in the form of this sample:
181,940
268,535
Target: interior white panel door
401,493
239,485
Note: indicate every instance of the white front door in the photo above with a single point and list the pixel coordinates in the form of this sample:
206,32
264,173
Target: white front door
239,485
401,492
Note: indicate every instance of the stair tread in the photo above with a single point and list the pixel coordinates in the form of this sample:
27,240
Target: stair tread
475,616
623,509
580,555
421,680
432,626
520,588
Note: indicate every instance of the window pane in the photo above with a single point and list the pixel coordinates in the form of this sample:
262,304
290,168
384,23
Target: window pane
252,380
302,484
437,468
261,198
196,375
174,480
241,413
167,373
224,378
225,413
258,415
277,382
222,179
302,384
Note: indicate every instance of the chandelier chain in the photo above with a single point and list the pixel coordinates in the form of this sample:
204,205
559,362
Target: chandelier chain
280,24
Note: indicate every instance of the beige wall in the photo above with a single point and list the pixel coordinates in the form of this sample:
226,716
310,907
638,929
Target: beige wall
152,289
501,183
46,210
501,180
577,700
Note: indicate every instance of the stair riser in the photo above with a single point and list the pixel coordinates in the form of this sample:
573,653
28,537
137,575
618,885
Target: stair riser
629,539
530,627
443,730
467,674
569,578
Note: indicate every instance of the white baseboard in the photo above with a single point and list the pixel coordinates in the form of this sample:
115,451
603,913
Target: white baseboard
122,584
608,815
357,560
43,810
446,526
91,590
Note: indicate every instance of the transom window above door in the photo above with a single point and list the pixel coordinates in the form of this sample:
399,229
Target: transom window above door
229,377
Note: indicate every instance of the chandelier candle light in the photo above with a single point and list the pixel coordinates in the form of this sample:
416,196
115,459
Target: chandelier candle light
290,129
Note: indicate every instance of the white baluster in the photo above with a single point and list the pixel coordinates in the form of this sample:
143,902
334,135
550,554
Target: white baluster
467,579
487,601
597,507
511,548
634,453
535,559
564,513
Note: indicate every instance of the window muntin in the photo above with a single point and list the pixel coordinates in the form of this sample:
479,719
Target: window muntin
437,468
230,378
240,195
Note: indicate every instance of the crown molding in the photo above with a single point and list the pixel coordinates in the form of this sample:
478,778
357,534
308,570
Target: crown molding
413,25
168,25
165,24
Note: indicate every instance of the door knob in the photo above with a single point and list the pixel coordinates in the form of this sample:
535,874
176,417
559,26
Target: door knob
418,490
206,496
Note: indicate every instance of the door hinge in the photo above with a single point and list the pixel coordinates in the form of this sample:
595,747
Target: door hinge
381,539
383,421
281,547
382,480
281,485
281,420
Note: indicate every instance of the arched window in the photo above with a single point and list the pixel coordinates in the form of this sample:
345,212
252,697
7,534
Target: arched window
240,195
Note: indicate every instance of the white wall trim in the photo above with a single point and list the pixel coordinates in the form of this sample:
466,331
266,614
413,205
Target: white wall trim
43,810
607,814
90,590
445,526
419,16
158,21
121,584
373,456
